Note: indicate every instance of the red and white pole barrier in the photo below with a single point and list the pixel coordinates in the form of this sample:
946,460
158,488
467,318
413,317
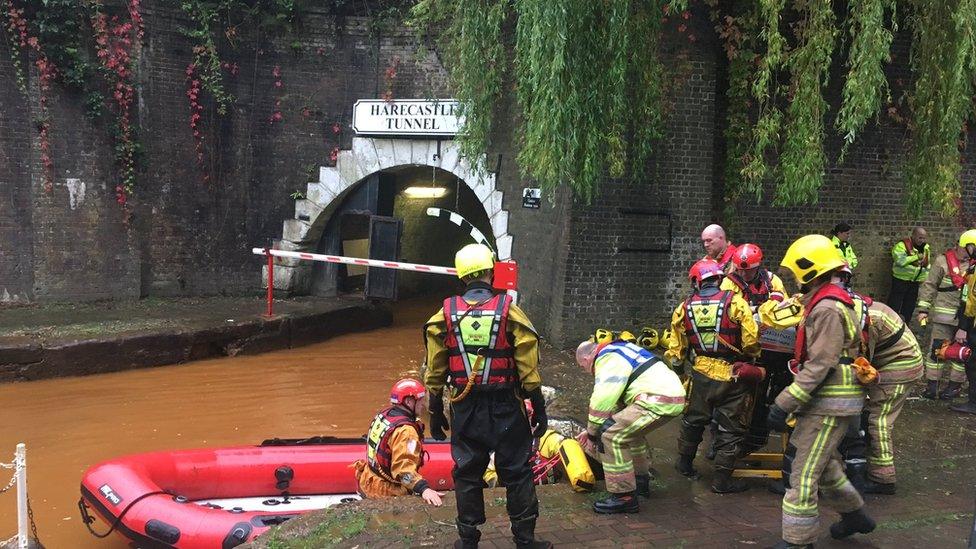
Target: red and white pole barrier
267,252
355,261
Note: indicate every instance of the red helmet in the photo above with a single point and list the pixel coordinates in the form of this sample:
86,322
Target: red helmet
704,269
407,388
747,256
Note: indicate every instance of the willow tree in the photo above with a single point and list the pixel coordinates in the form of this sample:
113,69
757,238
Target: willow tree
589,82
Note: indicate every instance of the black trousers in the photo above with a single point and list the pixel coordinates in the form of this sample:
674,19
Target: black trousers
903,297
484,422
730,404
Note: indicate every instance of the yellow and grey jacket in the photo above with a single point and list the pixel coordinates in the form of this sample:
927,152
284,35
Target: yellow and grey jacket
521,335
892,347
910,267
714,367
846,251
938,296
655,387
825,383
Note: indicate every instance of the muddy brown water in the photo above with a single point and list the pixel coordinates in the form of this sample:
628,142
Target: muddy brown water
70,424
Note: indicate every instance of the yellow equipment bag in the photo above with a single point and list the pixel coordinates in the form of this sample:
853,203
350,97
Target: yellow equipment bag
573,458
781,315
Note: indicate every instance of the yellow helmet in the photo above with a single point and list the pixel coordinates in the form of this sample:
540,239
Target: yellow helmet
781,315
602,335
811,256
648,338
968,237
627,336
473,258
665,339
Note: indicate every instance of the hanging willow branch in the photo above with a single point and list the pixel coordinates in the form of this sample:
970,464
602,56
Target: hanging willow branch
764,89
803,159
866,86
944,58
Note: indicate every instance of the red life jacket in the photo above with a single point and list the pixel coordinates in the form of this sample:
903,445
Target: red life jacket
703,335
828,291
479,329
755,295
379,456
958,276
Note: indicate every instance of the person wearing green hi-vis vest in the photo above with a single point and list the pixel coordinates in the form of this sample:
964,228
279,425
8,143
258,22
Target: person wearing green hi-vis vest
840,236
910,261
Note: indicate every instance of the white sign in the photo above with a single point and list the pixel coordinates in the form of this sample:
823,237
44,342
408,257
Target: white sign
410,117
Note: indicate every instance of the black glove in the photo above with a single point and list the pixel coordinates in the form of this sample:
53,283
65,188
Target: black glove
540,421
438,421
776,420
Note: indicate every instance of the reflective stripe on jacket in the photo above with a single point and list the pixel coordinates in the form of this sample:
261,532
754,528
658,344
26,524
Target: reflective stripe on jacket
906,261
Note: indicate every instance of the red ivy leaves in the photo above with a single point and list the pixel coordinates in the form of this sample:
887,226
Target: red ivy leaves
276,114
196,110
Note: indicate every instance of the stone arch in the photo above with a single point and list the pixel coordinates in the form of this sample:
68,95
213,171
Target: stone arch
366,157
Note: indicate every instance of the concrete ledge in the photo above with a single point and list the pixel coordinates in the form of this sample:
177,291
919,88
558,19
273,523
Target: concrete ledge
29,359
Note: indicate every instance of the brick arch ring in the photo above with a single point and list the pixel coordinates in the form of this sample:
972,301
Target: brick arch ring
368,156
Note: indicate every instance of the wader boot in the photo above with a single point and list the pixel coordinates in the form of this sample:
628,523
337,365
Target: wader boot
855,522
468,536
968,407
617,503
724,484
523,533
931,390
685,466
712,449
644,485
872,487
951,391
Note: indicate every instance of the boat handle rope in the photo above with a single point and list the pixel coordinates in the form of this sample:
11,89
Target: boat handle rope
88,519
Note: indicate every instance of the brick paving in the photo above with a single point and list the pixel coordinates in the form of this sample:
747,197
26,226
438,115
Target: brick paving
936,460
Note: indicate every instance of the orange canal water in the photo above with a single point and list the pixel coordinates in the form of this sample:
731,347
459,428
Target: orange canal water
69,424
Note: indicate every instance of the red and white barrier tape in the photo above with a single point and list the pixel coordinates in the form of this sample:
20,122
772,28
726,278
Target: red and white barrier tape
359,261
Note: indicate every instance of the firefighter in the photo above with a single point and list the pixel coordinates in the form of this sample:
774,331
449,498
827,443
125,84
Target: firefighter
910,260
825,396
757,285
717,246
634,392
718,327
939,300
895,353
965,332
395,448
486,349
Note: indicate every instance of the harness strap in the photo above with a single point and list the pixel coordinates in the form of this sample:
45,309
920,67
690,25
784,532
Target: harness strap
486,352
891,340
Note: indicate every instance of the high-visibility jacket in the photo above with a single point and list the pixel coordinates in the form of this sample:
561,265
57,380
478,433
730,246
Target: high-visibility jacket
697,323
479,330
846,251
396,440
758,291
909,263
654,387
520,334
944,288
892,347
379,456
828,340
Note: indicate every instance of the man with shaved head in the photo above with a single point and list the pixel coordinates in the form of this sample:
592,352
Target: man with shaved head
909,267
717,246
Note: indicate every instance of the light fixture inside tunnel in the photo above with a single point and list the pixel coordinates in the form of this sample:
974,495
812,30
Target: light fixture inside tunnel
424,192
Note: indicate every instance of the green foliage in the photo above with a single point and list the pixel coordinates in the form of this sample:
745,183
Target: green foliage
866,87
803,158
944,60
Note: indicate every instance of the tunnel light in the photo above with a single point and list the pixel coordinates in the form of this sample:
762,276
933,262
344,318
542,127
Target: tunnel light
425,192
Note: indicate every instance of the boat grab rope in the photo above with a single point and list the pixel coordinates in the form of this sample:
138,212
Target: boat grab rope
13,479
88,519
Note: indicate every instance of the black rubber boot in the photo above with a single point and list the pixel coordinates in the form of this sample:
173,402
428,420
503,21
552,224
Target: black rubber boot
857,473
723,483
469,536
951,391
523,534
872,487
855,522
968,407
686,466
617,503
644,485
931,390
783,544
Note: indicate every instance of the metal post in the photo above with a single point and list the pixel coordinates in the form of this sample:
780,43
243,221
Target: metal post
23,521
267,251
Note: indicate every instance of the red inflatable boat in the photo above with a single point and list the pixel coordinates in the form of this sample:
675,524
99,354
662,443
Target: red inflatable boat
221,498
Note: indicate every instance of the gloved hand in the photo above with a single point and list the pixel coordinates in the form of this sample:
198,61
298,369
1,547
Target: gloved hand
438,421
540,421
748,373
776,420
